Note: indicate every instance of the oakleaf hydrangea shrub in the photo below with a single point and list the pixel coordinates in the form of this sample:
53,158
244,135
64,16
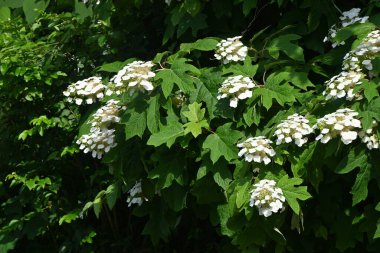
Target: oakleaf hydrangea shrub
259,139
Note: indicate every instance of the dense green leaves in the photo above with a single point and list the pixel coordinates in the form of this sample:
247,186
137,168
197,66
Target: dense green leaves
175,162
293,192
222,143
167,134
285,43
180,73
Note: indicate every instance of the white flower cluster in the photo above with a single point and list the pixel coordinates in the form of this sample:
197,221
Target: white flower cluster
348,18
134,76
179,99
267,197
236,88
135,195
99,141
362,55
107,115
369,137
295,127
342,122
257,149
87,90
231,49
342,85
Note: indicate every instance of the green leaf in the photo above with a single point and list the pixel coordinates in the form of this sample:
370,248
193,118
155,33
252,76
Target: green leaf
359,30
112,67
112,193
192,6
168,134
175,197
206,44
171,167
292,193
242,194
360,189
97,205
245,69
153,115
354,159
68,218
273,90
370,90
135,125
195,115
248,5
11,3
32,8
283,43
5,13
221,174
223,143
301,163
377,232
180,73
82,10
299,79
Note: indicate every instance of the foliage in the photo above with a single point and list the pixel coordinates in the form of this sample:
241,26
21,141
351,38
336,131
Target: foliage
180,140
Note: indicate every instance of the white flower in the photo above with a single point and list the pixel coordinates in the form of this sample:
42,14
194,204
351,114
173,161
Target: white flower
294,128
107,115
348,18
98,142
369,137
87,91
179,99
136,195
236,88
267,197
134,76
342,85
257,149
342,122
231,49
362,55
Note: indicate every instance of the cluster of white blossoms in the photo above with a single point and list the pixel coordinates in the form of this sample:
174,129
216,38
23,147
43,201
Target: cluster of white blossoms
179,99
107,115
342,85
295,127
99,141
134,76
362,55
135,195
231,49
369,137
236,88
87,91
257,149
342,122
267,197
348,18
